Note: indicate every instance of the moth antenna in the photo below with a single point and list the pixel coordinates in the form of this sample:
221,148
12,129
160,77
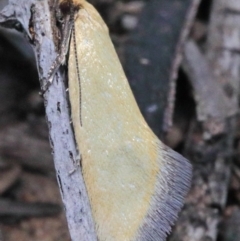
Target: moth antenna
78,71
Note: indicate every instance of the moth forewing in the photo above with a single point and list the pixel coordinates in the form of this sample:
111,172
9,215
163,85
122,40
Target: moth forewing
136,185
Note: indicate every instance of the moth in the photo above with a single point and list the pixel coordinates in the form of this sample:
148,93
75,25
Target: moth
136,185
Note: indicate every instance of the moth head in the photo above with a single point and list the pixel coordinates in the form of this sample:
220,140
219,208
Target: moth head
66,6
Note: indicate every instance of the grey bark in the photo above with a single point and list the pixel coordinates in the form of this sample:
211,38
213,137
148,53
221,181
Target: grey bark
37,21
218,71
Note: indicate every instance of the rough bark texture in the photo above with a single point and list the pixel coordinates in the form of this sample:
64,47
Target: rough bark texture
36,19
207,91
223,46
210,145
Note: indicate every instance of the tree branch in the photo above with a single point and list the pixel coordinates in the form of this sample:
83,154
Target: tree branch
38,26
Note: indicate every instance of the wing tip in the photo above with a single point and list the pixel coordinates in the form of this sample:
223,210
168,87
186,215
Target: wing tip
174,181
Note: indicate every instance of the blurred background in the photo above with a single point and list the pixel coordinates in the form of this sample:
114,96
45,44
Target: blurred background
182,59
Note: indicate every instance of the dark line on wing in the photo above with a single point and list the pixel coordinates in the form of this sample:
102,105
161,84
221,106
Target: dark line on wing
78,73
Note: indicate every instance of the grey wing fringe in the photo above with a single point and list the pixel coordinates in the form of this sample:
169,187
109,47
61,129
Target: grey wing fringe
174,180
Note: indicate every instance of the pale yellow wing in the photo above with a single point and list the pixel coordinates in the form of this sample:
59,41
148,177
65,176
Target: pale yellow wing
135,184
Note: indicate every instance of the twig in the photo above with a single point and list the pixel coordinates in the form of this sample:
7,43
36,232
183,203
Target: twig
35,19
